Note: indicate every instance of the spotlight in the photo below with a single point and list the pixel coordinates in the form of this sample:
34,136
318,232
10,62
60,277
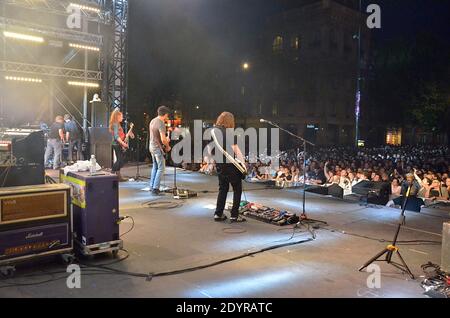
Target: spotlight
20,36
84,84
86,8
84,47
23,79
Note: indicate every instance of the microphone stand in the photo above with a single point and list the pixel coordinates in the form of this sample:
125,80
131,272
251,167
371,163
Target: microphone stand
138,176
303,217
392,248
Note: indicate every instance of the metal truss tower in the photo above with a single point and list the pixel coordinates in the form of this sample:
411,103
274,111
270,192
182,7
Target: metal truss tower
117,70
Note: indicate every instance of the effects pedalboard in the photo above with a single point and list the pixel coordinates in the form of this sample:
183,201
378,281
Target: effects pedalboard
183,194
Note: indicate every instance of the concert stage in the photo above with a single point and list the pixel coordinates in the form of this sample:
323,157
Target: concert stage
186,236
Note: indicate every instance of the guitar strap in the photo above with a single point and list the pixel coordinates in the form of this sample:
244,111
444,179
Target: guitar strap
225,153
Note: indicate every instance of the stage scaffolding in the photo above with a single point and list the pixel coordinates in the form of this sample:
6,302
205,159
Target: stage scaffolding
104,28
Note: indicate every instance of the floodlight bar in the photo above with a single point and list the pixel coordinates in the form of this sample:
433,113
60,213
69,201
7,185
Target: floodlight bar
86,8
21,36
84,84
23,79
84,47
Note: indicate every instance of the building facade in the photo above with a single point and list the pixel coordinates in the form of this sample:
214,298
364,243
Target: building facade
305,75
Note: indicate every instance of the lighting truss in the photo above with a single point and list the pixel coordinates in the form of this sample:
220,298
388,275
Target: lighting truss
43,70
52,32
23,79
84,84
84,47
24,37
60,7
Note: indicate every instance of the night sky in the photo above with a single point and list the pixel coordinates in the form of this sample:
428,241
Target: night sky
177,43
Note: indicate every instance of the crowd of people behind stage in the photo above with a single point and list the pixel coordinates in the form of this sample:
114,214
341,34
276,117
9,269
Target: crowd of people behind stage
427,167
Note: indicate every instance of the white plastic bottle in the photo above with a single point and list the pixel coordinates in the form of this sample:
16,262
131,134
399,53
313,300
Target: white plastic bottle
93,167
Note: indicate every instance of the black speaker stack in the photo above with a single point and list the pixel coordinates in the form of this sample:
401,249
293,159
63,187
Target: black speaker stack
21,157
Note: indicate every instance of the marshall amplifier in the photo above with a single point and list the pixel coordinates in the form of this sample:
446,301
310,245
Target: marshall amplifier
34,221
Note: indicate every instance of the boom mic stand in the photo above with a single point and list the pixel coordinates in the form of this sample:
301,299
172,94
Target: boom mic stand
138,176
303,217
393,248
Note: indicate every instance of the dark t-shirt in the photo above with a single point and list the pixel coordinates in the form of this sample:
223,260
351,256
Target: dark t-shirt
72,129
221,134
54,130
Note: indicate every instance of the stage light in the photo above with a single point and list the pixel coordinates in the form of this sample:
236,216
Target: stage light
23,79
86,8
84,47
84,84
20,36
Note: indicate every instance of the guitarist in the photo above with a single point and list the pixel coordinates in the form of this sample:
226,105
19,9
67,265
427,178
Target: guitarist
227,172
119,141
158,146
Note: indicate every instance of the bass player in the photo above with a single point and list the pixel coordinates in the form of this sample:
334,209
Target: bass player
228,171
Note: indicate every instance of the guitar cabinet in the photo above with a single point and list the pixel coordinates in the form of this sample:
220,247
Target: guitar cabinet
35,221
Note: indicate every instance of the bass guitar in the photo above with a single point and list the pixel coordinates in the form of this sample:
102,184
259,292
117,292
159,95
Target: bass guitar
236,162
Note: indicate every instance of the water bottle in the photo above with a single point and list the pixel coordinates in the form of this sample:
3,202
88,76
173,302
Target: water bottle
93,167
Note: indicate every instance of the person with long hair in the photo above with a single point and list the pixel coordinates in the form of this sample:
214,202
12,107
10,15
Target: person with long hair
118,142
227,172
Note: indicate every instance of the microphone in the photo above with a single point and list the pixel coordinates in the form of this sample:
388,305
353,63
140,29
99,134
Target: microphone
263,120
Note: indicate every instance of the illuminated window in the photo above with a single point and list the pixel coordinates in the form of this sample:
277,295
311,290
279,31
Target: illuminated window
277,45
295,43
394,136
275,110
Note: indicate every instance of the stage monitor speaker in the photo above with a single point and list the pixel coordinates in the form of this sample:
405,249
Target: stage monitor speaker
317,190
100,114
100,143
363,187
445,261
336,191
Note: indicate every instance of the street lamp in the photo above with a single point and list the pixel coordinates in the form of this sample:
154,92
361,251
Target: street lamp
358,82
245,66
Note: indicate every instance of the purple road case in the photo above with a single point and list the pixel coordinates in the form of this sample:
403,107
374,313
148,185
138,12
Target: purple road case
95,200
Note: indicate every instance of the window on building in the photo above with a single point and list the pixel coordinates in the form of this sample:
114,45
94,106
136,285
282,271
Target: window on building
333,40
276,83
394,136
295,43
277,45
275,109
243,90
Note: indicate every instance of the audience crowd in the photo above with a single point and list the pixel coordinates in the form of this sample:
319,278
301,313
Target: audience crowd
426,167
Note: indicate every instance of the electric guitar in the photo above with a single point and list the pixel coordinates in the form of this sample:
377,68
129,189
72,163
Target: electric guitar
236,162
129,135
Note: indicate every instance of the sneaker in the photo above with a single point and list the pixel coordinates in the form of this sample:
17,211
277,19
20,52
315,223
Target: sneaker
239,219
221,218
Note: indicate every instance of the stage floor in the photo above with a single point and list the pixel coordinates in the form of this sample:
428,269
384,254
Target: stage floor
187,236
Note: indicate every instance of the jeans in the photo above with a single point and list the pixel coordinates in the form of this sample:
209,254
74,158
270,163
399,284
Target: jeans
228,174
53,146
72,145
119,163
159,164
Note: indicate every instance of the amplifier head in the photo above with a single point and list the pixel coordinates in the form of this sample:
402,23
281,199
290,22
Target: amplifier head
23,204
